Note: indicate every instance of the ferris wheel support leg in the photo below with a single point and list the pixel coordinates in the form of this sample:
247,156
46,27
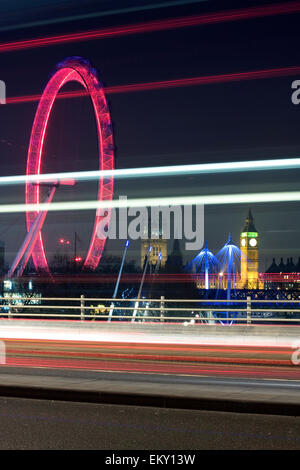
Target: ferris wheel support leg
23,248
35,234
28,245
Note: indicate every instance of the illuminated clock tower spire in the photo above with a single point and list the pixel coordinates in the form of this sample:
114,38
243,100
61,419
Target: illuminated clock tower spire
249,244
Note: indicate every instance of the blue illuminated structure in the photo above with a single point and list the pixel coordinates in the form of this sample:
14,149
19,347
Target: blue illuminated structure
229,258
205,262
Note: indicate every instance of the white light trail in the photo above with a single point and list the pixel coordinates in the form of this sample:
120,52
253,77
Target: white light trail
171,170
169,334
287,196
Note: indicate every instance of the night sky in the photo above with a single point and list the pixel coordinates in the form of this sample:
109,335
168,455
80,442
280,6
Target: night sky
235,121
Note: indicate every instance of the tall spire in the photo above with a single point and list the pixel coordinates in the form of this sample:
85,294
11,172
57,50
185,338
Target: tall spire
273,268
249,223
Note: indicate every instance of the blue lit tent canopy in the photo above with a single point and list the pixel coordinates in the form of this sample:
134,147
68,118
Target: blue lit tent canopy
205,263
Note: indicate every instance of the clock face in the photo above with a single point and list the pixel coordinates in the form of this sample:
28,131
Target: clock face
253,242
243,242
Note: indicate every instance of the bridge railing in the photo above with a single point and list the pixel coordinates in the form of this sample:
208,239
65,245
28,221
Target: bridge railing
208,311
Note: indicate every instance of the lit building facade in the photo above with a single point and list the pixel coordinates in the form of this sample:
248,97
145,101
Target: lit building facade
249,246
158,244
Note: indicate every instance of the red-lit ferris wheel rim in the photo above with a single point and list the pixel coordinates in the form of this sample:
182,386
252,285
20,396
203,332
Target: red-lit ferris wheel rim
79,70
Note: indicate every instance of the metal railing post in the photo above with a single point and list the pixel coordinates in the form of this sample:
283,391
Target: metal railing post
9,307
82,307
248,310
162,308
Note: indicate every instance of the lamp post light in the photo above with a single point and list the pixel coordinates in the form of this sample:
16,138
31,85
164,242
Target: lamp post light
64,251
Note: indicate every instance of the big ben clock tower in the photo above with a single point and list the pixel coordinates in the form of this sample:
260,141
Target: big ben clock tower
249,244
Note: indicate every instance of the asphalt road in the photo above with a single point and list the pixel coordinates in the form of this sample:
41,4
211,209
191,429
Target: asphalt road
202,392
64,424
42,424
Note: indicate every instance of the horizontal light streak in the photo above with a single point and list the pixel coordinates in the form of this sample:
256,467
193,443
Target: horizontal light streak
271,197
236,356
154,26
133,349
176,83
220,370
159,278
156,171
140,335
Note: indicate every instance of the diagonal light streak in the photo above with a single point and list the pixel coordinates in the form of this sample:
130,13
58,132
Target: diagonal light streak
267,197
157,171
169,84
154,26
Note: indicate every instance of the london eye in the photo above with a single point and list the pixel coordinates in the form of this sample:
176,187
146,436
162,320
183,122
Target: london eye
78,70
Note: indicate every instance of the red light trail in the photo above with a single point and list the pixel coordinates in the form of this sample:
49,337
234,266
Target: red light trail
144,358
176,83
153,26
157,278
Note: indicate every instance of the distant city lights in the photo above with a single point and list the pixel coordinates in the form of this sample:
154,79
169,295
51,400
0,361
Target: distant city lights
62,241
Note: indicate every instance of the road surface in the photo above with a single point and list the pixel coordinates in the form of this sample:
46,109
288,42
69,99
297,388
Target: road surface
42,424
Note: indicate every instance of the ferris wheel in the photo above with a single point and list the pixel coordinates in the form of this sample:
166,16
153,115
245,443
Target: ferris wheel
78,70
